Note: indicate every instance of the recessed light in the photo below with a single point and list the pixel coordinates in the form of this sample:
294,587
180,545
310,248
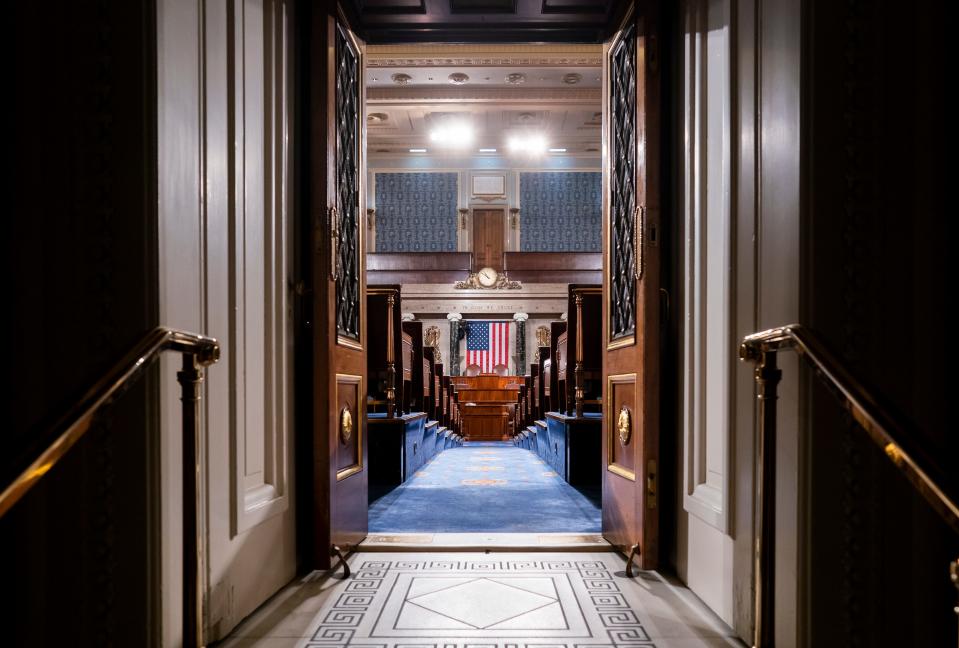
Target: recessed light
417,150
487,150
456,134
401,79
572,78
458,78
558,150
516,78
531,144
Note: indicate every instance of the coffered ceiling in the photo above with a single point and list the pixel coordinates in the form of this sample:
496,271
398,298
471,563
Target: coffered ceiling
498,92
483,21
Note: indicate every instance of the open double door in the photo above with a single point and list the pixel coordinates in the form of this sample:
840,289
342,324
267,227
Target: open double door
336,174
335,262
631,283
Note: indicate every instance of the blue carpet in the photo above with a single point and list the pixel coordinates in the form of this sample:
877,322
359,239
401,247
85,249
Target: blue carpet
492,487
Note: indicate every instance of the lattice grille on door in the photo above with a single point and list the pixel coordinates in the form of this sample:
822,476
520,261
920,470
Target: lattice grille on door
622,244
347,183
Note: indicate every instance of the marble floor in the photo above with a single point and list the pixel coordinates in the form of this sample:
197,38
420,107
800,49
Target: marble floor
498,600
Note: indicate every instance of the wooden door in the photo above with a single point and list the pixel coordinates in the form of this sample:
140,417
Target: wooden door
631,176
488,238
336,177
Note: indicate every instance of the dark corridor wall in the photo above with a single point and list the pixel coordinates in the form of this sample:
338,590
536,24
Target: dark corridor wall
876,284
80,255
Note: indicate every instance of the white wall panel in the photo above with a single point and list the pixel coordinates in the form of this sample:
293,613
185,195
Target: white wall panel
708,344
224,266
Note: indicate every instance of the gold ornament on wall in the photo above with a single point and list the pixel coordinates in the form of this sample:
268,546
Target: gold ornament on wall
542,336
624,425
346,424
431,338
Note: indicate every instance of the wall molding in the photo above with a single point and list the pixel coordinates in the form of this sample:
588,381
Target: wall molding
709,299
481,94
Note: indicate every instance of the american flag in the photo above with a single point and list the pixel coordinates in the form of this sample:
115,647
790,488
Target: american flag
487,345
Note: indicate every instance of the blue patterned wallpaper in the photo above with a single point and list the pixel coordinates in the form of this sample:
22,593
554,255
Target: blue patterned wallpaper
561,212
416,212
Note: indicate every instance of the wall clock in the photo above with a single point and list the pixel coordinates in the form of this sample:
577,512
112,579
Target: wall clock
487,277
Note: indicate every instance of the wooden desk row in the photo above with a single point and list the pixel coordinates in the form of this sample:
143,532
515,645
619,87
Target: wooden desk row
408,410
562,421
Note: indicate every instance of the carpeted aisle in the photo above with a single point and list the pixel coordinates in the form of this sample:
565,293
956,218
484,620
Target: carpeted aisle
491,487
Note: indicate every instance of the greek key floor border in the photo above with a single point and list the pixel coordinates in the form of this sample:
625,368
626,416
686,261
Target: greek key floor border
612,621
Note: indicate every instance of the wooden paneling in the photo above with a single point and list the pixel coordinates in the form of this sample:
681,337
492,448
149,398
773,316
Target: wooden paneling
416,267
485,422
622,407
555,267
483,395
486,381
349,449
556,330
384,346
489,232
447,267
585,328
554,261
413,394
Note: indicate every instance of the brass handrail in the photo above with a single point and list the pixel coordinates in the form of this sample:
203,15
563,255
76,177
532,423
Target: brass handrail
198,351
878,422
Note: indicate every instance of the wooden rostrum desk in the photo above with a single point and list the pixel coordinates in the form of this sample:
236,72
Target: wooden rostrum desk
487,405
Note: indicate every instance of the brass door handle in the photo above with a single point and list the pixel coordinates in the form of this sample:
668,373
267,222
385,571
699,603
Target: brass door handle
334,243
639,234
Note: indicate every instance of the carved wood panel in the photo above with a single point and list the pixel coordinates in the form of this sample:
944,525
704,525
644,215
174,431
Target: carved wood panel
349,446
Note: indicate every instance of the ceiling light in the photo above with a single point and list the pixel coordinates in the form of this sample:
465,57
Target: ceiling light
452,134
458,78
417,150
401,78
487,150
516,78
572,78
557,150
531,144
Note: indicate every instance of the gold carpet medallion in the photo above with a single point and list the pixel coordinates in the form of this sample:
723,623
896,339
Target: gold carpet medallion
484,468
484,482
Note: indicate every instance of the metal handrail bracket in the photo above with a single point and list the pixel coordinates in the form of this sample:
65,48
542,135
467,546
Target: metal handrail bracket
877,421
198,352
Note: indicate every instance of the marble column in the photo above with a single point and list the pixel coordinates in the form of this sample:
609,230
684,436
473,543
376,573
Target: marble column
454,319
520,319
